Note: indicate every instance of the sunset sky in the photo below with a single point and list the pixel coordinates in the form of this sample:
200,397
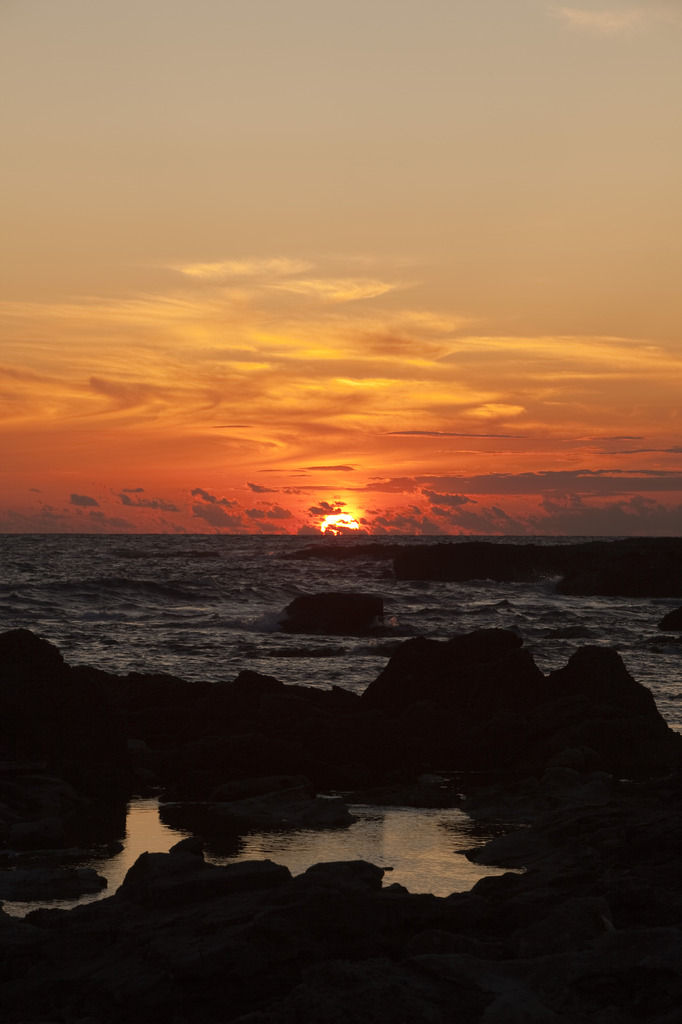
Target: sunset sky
264,260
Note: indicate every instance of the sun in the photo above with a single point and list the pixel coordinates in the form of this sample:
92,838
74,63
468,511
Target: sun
339,523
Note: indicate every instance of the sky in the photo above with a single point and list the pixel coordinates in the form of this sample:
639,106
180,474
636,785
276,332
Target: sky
413,261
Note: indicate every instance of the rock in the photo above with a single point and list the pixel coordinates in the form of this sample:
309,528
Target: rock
242,789
472,672
289,808
636,566
673,620
343,876
36,835
182,878
48,710
39,884
478,702
335,613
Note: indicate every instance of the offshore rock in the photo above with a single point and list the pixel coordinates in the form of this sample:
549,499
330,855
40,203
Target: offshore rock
334,613
673,620
634,567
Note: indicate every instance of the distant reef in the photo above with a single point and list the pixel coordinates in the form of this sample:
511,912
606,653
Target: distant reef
634,567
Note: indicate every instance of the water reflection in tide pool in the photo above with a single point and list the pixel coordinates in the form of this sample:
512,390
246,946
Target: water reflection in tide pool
420,845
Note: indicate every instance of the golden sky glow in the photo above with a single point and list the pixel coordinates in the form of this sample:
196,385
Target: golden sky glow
267,263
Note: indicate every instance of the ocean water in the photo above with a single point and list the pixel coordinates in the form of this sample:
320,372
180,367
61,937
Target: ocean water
205,607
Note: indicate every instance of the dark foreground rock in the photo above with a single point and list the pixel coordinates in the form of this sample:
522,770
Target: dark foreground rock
590,933
634,567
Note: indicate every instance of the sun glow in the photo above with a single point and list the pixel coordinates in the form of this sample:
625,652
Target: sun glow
339,523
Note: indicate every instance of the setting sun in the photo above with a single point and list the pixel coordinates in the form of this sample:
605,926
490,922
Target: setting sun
339,523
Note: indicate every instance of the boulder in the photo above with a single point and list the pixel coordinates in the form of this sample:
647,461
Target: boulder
335,613
673,620
50,711
475,672
182,878
284,808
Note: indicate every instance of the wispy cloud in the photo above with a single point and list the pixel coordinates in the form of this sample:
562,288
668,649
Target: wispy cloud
336,290
251,267
605,21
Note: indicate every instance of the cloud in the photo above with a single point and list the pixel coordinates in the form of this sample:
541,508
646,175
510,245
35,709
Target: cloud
215,515
336,290
494,410
211,499
449,433
635,516
84,500
251,267
675,450
110,522
330,469
259,489
448,499
156,503
277,512
325,509
133,490
583,481
602,22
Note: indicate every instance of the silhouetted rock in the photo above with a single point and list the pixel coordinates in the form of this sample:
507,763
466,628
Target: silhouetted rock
37,884
468,672
297,807
673,620
332,613
588,932
634,567
48,710
479,701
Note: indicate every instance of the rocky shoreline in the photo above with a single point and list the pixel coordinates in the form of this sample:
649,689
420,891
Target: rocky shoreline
579,764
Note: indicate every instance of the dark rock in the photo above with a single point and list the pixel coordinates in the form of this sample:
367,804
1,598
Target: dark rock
181,878
344,614
636,566
344,876
673,620
472,672
242,789
288,808
38,884
36,835
48,711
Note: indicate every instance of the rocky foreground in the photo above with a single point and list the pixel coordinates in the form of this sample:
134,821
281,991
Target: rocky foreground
580,768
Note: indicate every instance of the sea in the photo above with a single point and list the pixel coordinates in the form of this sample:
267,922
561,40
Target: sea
206,607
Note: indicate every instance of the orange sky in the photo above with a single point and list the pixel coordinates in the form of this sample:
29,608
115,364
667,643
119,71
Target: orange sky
418,262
